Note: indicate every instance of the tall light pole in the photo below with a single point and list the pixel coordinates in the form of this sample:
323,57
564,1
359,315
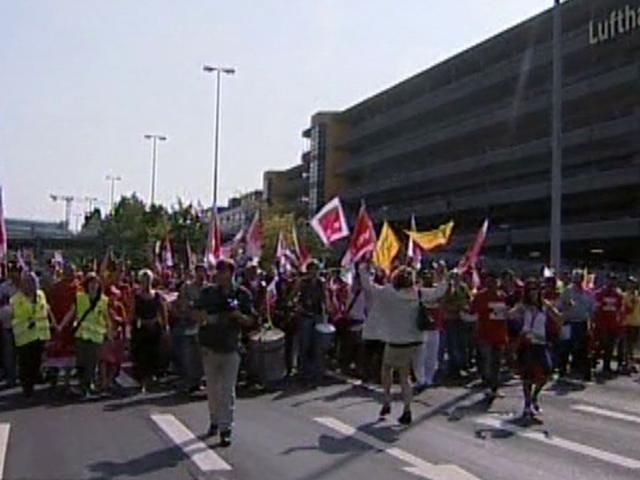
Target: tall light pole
112,191
218,71
556,141
154,138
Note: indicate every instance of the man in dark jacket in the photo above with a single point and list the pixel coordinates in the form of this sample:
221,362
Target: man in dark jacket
223,310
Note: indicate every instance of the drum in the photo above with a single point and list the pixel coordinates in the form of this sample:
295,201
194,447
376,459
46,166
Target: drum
325,336
266,360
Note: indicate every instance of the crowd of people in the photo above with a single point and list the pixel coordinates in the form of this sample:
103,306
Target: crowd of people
420,326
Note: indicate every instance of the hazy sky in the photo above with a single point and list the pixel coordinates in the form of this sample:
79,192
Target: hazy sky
81,81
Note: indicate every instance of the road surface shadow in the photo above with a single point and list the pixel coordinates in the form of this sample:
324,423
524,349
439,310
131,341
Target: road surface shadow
143,466
564,387
478,407
332,446
171,399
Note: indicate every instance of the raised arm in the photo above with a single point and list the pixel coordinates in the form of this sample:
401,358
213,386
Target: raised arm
433,294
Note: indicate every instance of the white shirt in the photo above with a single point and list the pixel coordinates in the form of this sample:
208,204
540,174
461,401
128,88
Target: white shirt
393,313
535,325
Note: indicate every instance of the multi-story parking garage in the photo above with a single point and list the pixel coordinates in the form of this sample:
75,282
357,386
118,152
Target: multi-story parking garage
470,138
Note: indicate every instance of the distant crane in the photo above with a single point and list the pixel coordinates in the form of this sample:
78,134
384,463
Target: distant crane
68,202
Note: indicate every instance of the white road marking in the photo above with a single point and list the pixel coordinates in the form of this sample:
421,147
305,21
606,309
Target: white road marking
418,467
560,442
205,458
4,443
606,413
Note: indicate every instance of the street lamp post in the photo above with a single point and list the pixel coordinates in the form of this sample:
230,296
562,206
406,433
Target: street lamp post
112,190
556,141
154,138
218,71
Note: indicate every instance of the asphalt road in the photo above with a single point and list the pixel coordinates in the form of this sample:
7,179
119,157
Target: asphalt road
331,432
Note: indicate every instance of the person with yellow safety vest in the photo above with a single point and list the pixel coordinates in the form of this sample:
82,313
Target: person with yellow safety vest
31,329
90,316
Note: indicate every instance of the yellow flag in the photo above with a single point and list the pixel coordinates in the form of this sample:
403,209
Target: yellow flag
433,238
387,248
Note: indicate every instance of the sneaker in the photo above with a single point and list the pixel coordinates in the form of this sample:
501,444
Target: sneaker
225,438
406,418
527,414
213,430
535,407
386,410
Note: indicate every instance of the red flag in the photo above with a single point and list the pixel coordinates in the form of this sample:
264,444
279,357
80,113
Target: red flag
214,240
301,251
330,223
3,232
363,239
255,237
414,252
470,258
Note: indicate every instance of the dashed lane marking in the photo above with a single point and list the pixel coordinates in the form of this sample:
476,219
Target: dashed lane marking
543,437
603,412
4,444
205,458
418,467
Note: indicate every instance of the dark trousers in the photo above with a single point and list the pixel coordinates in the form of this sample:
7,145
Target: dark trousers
577,347
188,359
371,361
289,349
145,350
608,340
455,345
491,362
632,334
29,364
86,361
308,362
8,356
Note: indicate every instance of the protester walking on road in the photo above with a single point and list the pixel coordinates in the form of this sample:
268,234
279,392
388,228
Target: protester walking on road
148,326
224,310
398,305
31,329
60,352
185,332
578,307
631,323
490,308
608,319
312,301
90,319
541,323
7,290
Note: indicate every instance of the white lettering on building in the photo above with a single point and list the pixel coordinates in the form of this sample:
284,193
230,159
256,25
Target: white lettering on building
619,22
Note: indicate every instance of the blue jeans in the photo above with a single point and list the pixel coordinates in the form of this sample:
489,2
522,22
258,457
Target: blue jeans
9,355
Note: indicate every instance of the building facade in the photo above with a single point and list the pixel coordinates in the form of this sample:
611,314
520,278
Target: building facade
288,189
471,138
239,212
